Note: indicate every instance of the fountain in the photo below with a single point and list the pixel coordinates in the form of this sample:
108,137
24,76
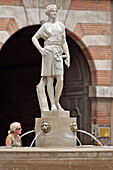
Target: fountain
64,158
55,132
46,127
82,131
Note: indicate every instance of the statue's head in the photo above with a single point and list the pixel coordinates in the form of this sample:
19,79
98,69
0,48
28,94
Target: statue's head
50,8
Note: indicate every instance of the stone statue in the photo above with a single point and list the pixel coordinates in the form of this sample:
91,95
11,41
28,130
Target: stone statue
55,45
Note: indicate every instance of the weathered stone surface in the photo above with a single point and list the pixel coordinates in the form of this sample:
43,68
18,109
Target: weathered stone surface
56,113
4,36
17,12
61,4
100,64
55,45
104,40
60,134
99,158
86,17
31,3
101,91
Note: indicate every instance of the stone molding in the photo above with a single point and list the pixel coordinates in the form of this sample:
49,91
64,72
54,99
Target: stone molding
101,91
99,158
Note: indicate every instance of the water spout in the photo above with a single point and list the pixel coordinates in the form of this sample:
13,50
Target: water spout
78,140
82,131
35,138
26,133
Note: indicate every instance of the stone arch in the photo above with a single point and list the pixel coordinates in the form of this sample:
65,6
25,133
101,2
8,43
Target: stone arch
19,90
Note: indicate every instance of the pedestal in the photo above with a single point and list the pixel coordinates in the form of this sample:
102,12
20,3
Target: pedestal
60,134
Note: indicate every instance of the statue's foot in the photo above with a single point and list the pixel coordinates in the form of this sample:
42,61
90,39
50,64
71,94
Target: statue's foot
53,107
59,106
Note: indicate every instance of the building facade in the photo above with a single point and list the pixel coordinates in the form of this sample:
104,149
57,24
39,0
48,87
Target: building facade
88,84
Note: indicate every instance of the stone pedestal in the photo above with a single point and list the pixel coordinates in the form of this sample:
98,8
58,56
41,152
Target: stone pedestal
60,134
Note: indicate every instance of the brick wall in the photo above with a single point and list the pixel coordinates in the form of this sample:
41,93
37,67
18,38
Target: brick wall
9,25
101,116
97,5
101,111
101,108
96,52
11,2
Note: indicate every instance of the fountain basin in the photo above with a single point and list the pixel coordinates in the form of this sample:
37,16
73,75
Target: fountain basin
84,157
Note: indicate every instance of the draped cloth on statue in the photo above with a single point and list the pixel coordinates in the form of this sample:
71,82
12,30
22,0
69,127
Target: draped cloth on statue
54,36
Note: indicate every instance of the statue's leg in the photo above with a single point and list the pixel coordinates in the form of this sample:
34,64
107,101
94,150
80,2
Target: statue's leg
58,91
40,89
50,90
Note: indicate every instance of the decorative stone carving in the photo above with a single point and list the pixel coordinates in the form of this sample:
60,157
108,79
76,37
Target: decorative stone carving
55,45
46,126
73,126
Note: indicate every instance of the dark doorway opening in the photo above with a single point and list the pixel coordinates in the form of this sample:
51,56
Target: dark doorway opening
20,68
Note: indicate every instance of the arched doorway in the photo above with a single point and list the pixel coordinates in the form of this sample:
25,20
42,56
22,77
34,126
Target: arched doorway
20,67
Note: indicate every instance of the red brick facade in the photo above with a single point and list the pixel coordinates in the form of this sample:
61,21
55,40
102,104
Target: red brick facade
1,45
102,112
102,78
101,108
94,5
9,25
96,52
100,52
11,2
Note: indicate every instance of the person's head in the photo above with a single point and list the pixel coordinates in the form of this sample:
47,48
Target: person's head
15,128
51,9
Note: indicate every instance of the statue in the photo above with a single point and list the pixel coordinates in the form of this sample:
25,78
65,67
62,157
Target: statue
55,45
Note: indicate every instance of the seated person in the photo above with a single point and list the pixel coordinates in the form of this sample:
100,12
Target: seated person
13,138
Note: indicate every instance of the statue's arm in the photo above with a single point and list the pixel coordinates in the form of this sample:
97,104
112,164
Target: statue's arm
66,51
35,41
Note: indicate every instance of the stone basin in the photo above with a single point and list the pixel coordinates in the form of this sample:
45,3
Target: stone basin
74,158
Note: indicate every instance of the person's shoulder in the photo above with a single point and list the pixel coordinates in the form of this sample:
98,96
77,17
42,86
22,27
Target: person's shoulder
10,136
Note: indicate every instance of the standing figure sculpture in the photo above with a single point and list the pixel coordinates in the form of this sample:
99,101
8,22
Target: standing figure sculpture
55,45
